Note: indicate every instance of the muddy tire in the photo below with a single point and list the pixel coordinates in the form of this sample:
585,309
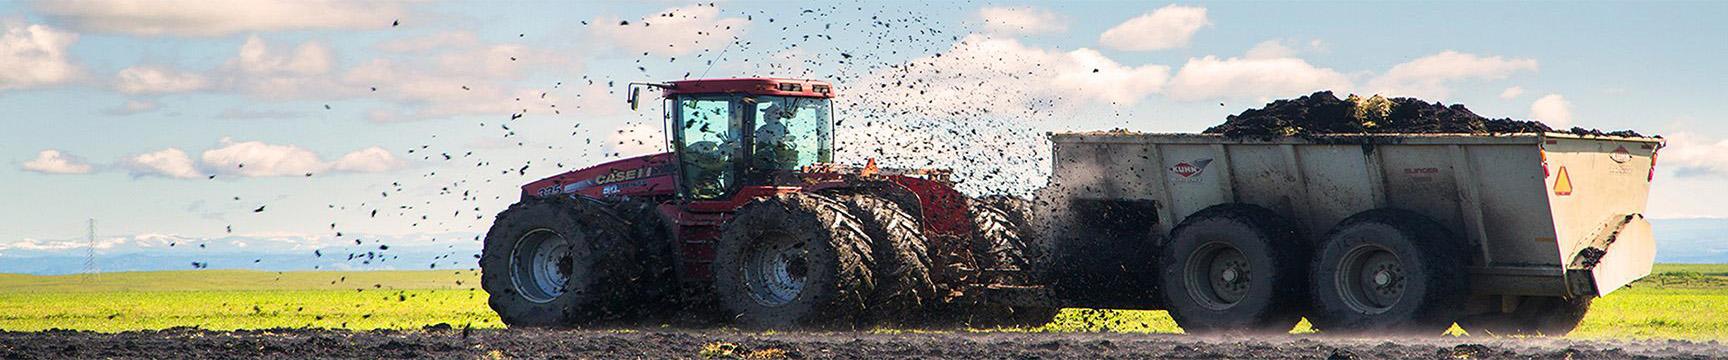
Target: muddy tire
559,261
1389,272
1019,211
1534,316
1235,269
903,285
652,236
1005,251
794,261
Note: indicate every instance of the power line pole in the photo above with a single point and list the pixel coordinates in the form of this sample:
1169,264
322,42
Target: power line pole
90,269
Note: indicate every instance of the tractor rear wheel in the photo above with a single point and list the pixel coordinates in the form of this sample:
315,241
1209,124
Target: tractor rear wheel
1535,315
1006,255
794,261
1234,268
903,285
559,261
1388,271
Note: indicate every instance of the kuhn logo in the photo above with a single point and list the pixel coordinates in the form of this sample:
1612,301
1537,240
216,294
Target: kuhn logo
1190,169
1620,155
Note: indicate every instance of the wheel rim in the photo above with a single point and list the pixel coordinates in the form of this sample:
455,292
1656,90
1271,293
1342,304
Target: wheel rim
776,269
1371,278
541,265
1217,275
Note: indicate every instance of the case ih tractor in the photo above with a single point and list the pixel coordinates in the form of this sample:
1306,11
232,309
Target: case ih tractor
747,219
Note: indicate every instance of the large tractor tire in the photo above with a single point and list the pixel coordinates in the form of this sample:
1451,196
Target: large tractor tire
1389,272
559,261
1534,316
1002,247
903,285
1034,247
657,254
794,261
1235,268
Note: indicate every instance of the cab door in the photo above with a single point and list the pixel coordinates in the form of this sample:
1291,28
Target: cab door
707,140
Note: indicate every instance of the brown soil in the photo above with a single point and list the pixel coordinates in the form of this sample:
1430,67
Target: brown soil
444,342
1324,113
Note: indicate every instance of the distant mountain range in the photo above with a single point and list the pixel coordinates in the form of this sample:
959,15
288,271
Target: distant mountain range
1677,241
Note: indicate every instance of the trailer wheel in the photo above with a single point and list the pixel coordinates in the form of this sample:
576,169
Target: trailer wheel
1535,315
1234,268
793,261
558,261
1388,271
903,285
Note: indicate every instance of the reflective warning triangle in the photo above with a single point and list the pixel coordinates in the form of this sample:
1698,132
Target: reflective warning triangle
1563,185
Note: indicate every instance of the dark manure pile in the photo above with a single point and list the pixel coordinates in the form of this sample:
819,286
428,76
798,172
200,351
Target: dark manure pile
1323,113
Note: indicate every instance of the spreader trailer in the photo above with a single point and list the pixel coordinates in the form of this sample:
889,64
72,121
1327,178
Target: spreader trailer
1500,233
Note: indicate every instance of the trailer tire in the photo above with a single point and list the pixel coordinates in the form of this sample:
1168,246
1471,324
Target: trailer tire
1388,271
1234,268
559,261
793,261
1534,316
1004,250
903,285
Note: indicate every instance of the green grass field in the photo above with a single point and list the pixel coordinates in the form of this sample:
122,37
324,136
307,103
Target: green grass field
1679,302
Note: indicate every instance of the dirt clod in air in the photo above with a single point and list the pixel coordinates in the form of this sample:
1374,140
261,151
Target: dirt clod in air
1324,113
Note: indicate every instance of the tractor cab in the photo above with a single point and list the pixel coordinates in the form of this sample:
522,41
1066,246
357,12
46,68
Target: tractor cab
728,134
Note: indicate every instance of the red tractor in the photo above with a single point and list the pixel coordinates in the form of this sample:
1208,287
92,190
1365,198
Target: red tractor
748,219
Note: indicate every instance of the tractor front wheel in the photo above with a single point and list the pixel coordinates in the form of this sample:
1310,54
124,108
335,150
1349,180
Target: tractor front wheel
558,261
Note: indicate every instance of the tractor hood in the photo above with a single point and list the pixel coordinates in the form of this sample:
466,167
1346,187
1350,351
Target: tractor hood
646,175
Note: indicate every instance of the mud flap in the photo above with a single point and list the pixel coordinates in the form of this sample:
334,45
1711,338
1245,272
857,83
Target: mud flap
1622,252
1629,257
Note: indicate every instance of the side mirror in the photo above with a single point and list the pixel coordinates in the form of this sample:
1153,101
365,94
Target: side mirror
635,96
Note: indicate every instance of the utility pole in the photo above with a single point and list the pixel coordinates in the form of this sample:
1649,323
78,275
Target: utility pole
90,269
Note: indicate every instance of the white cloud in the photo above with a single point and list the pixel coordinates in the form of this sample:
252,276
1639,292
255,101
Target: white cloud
52,161
309,58
260,159
217,18
1021,20
1428,77
157,80
34,56
1553,110
133,107
170,162
1210,78
1166,28
1270,49
462,78
256,159
1691,154
1512,92
671,32
369,160
430,43
1077,76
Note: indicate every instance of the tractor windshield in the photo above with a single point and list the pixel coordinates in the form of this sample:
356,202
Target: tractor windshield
729,140
791,132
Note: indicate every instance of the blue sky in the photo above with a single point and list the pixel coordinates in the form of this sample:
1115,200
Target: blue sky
121,110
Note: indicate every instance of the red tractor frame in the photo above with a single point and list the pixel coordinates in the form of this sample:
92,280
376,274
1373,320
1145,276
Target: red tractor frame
748,219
